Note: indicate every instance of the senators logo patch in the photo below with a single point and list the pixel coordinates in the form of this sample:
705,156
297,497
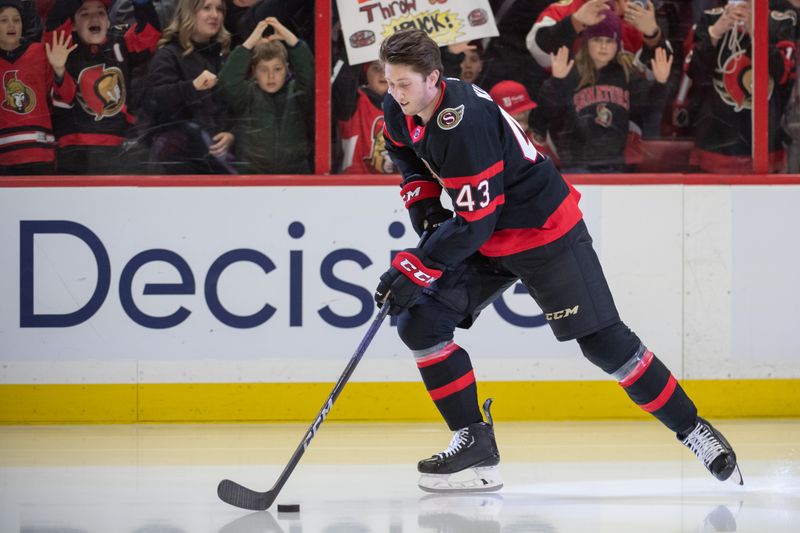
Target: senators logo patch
101,91
735,88
450,117
17,96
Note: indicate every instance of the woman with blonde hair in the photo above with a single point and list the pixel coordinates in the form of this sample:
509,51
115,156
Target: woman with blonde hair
188,124
591,99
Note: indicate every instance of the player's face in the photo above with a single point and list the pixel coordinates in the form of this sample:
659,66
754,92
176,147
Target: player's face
271,75
376,80
602,50
91,22
10,28
416,94
471,66
208,21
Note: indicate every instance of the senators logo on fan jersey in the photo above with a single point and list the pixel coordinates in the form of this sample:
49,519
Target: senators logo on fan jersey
17,97
735,88
379,159
101,91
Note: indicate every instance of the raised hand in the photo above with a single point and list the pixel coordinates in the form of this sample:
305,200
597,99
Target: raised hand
560,63
460,48
641,18
282,33
661,65
222,143
591,12
206,80
257,35
59,51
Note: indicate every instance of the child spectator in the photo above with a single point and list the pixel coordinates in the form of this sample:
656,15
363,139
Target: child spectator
271,112
359,118
93,127
721,72
589,106
31,73
190,133
513,97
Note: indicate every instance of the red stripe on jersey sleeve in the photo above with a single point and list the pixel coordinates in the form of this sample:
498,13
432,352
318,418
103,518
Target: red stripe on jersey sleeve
474,180
389,137
472,216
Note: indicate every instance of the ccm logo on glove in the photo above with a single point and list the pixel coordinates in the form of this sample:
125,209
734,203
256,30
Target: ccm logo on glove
411,266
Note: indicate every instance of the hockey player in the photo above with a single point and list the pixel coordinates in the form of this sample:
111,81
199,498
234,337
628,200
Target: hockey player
32,74
91,130
516,218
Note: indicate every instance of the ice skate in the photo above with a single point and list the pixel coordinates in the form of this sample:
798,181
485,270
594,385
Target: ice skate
713,450
469,464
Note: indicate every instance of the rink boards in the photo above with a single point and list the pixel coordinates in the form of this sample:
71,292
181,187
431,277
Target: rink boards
244,303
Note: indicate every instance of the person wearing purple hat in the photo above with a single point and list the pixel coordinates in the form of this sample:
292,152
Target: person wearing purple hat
591,99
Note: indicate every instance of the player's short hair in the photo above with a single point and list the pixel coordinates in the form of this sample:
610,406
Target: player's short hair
267,51
415,49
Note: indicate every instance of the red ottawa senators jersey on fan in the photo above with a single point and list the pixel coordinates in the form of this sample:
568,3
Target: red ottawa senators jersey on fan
362,140
507,197
26,132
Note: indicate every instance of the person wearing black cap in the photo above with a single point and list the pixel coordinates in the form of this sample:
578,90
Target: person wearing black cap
29,70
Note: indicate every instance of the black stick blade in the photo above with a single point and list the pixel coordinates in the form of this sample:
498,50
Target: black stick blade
239,496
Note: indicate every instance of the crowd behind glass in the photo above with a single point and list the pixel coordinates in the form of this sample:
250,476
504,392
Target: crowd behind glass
94,87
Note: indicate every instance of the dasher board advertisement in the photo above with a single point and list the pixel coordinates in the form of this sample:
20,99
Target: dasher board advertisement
366,23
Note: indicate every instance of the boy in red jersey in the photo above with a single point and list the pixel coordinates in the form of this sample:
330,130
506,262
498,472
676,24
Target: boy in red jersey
31,75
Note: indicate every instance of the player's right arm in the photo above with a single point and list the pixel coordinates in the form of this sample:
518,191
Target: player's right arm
421,192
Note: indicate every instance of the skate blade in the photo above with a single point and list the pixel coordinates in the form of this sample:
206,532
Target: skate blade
736,477
479,479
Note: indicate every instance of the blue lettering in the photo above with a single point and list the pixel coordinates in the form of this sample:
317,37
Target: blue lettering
212,298
362,294
27,317
186,286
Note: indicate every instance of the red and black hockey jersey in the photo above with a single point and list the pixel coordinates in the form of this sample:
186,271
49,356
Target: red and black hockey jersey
722,77
362,139
98,115
507,197
26,132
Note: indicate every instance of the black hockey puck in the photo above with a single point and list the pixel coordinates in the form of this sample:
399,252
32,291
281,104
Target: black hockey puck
289,508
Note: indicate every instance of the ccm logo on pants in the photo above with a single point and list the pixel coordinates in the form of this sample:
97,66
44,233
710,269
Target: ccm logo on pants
562,314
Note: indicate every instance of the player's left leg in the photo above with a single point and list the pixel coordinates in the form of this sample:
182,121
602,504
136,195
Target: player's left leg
572,291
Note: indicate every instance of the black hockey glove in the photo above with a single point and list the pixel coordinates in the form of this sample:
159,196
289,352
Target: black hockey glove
424,206
404,281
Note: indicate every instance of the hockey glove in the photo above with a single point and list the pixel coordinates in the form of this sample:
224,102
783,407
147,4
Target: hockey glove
424,207
402,284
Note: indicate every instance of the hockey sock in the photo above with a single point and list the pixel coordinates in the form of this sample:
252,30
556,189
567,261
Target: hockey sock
651,385
447,373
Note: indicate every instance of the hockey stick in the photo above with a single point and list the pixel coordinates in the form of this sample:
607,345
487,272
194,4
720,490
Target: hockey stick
240,496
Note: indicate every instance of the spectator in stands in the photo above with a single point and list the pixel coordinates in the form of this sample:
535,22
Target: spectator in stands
122,11
92,128
358,111
29,71
472,64
721,70
561,23
271,110
514,99
506,56
242,16
188,127
590,100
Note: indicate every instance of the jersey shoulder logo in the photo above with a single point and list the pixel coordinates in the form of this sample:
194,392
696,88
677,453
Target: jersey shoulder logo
450,117
785,15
